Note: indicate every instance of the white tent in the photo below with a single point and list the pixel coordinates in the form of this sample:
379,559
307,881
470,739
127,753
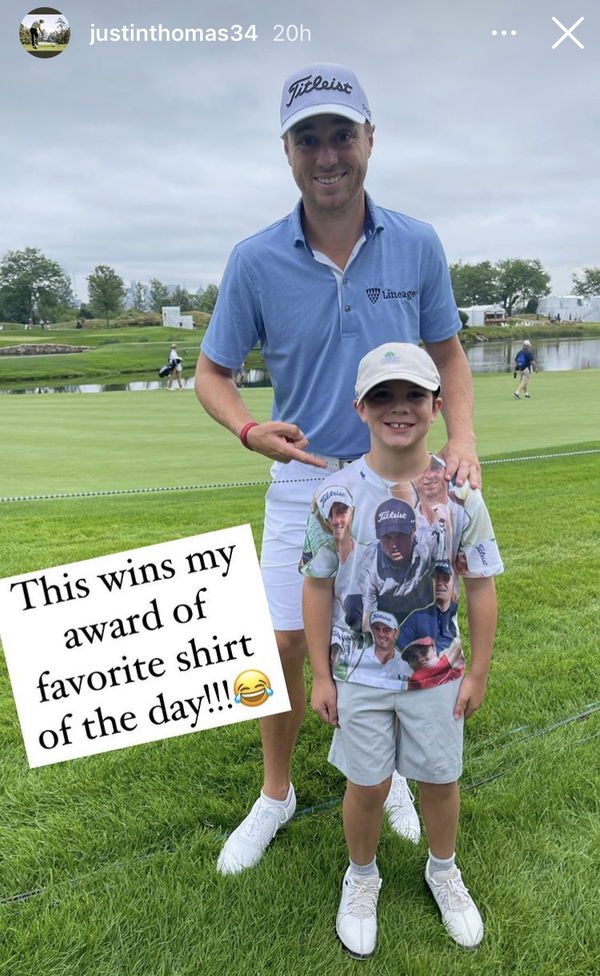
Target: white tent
571,308
485,314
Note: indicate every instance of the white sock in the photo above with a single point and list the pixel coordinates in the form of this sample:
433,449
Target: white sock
364,870
436,864
278,803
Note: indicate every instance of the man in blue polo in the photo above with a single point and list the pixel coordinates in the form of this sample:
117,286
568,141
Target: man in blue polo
317,290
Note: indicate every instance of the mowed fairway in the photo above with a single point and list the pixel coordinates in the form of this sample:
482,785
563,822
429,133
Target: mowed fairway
107,863
64,443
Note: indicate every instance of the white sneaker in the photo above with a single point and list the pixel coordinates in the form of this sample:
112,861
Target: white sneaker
246,845
401,811
459,912
356,922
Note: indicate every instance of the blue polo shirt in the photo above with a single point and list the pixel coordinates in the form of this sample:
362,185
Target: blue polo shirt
314,325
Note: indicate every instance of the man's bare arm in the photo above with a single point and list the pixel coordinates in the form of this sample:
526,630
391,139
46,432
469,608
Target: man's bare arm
216,390
460,453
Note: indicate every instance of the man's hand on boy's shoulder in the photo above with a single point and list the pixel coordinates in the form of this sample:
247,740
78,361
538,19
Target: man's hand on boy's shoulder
462,462
471,695
324,700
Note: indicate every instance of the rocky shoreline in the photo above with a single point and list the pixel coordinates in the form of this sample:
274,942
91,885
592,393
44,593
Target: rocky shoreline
39,349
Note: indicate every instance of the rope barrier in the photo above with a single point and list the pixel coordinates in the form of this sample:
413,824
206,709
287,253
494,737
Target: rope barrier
255,484
323,807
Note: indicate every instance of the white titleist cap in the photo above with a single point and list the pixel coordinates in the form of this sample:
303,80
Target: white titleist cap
322,89
329,496
387,619
396,361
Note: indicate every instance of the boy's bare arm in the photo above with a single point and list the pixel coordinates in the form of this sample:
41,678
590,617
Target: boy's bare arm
481,614
317,601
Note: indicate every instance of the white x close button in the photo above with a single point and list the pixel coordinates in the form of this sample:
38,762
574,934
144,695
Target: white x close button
568,32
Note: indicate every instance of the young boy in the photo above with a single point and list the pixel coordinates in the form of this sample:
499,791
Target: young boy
381,723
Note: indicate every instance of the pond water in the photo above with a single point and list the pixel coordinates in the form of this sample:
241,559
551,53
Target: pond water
256,377
550,355
486,357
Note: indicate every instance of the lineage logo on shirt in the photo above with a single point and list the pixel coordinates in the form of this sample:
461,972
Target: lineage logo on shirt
374,294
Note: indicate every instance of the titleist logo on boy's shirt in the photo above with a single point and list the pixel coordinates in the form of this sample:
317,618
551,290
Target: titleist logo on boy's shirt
308,84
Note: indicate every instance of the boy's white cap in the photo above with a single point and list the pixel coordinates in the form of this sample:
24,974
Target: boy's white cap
396,361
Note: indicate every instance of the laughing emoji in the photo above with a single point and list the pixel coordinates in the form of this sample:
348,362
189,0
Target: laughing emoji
252,688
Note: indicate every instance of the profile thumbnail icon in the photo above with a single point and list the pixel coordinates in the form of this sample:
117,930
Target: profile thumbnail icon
44,32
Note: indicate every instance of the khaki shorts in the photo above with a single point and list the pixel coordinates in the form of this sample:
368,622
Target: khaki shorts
411,731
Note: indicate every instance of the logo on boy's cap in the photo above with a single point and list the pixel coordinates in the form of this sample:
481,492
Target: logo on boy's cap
396,361
329,496
387,619
394,516
443,567
322,89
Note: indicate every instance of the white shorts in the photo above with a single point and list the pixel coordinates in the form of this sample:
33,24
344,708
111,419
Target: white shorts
414,732
287,505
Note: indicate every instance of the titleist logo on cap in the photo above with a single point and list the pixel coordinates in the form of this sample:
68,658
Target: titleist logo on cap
333,493
397,516
302,86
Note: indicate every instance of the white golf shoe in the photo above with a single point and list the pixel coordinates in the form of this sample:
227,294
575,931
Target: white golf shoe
356,922
399,806
246,845
459,912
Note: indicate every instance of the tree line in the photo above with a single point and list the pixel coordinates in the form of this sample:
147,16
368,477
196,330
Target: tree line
34,288
515,283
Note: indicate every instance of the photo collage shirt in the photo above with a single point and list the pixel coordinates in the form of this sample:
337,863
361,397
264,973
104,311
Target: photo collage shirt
396,553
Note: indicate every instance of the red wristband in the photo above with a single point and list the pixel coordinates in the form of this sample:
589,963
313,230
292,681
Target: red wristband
244,433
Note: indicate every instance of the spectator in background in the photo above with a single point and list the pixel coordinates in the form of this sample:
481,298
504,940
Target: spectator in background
525,364
176,362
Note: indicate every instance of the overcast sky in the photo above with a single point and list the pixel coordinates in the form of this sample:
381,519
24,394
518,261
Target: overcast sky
156,158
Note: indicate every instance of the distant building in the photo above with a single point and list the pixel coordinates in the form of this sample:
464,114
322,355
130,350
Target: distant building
131,294
485,315
173,319
570,308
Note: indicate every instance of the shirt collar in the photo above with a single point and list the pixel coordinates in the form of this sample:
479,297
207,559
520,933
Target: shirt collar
373,222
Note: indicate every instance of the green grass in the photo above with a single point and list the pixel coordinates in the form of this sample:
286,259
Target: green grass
530,329
98,335
113,352
121,847
126,349
80,442
45,46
